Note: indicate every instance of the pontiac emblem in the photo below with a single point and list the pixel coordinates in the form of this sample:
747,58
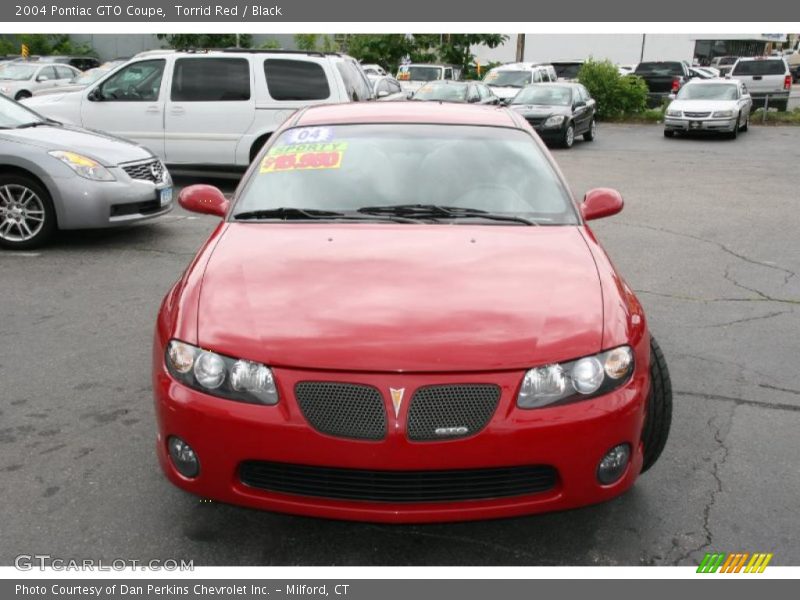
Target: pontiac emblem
397,399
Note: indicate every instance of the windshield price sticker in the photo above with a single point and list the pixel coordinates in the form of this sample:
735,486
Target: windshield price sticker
303,156
305,135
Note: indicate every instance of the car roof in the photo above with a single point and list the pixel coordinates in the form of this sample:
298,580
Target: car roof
521,66
716,80
406,112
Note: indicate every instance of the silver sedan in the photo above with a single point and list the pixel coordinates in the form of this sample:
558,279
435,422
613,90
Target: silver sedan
710,105
54,176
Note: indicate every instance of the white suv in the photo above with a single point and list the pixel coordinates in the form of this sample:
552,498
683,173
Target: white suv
768,79
210,108
507,80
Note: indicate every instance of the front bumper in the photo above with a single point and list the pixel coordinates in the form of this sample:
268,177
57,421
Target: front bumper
571,438
706,124
82,203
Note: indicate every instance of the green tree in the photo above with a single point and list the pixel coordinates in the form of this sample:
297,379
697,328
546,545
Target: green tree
44,44
186,41
616,95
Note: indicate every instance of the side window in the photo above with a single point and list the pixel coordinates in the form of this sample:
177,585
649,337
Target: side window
354,84
295,79
64,73
484,92
138,82
394,87
537,77
383,86
210,80
744,89
49,72
472,94
448,73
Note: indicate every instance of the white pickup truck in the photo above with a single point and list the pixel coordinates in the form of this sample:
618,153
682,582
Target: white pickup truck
767,78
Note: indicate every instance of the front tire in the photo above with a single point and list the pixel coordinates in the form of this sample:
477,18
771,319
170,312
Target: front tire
592,133
746,125
735,133
668,133
27,216
658,417
569,136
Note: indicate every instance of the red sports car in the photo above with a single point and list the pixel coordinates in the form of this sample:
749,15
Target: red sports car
404,317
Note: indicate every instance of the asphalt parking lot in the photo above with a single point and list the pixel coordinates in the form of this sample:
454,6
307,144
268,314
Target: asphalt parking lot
709,241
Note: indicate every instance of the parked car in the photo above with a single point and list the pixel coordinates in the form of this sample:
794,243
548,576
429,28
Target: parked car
463,92
82,63
470,365
20,80
507,80
702,73
724,64
558,111
567,70
414,76
767,78
214,108
55,176
373,70
717,105
662,79
78,82
387,88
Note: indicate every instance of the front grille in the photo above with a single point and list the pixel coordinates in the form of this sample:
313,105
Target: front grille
535,121
397,486
442,412
135,208
343,409
696,115
151,170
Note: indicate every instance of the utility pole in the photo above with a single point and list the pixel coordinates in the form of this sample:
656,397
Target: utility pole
641,56
520,47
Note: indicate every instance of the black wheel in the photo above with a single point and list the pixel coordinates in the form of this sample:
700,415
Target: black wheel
669,133
569,136
659,408
735,133
22,95
746,125
27,217
592,133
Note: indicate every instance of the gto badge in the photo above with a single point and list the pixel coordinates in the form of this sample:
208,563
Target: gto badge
397,399
447,431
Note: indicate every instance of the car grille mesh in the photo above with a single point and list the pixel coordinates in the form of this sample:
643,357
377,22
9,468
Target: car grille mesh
696,115
535,121
398,486
151,170
343,409
441,412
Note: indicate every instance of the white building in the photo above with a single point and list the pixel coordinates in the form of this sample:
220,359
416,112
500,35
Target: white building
627,48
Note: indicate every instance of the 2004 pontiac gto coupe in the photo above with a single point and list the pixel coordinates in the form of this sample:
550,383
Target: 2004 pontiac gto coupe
404,317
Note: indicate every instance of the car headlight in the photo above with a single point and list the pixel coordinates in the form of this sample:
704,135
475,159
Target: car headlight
576,380
83,165
722,114
218,375
674,113
554,121
4,89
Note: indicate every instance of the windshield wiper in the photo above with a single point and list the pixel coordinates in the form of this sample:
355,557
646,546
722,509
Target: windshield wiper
437,211
284,213
32,124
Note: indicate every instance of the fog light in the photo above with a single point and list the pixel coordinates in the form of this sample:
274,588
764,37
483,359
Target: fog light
183,457
613,464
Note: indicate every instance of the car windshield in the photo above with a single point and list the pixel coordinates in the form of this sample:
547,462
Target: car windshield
443,92
410,73
760,67
344,168
549,95
13,114
660,69
567,70
708,91
89,76
508,78
17,72
727,60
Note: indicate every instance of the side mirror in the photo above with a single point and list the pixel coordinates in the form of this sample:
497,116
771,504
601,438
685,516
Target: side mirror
382,94
672,96
41,78
579,104
204,199
601,202
410,95
95,95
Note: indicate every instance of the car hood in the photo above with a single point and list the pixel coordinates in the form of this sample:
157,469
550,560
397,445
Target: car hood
702,105
391,298
540,110
105,149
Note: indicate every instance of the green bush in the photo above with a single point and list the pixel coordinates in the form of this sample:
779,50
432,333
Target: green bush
616,95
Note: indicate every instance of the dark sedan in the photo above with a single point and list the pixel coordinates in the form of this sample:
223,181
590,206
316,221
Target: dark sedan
558,111
463,92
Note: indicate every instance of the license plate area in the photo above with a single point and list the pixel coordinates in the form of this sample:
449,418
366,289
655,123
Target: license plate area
165,196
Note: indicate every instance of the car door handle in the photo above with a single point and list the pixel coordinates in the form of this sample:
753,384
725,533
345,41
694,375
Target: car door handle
152,109
177,110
